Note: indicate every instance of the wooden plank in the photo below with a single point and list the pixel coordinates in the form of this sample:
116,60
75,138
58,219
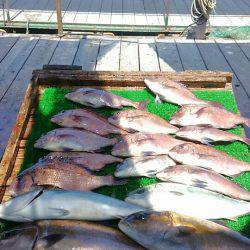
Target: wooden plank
245,47
168,55
160,10
86,55
6,44
14,61
13,97
148,55
116,16
212,56
65,5
237,60
94,11
190,55
47,12
65,52
82,14
140,14
71,12
129,59
151,13
109,54
105,14
128,15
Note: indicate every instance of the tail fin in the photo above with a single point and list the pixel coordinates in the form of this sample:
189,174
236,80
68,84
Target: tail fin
142,105
113,181
246,121
246,140
215,104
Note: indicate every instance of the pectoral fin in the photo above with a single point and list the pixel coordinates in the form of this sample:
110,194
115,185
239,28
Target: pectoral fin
58,212
157,99
178,233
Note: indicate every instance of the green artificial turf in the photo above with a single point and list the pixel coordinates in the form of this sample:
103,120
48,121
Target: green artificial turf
53,101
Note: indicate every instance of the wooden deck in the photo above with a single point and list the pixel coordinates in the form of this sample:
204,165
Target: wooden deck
123,12
20,55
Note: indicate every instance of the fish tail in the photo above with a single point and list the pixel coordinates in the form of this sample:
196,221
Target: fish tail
246,121
141,105
113,181
215,104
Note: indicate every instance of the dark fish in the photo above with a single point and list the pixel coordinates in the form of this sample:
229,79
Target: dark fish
92,161
140,144
59,175
207,115
69,139
207,135
208,157
65,234
172,231
174,92
97,98
86,119
141,121
203,178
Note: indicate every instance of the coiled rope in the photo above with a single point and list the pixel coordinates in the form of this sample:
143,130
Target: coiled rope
201,9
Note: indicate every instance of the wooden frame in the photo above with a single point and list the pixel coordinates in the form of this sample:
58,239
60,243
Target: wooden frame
71,76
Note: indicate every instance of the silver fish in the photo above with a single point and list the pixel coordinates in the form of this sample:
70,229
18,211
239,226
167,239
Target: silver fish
174,92
172,231
143,166
86,119
141,121
64,205
69,139
140,144
207,115
203,178
207,135
97,98
208,157
188,200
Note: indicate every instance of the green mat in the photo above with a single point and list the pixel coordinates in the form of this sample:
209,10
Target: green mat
53,102
238,33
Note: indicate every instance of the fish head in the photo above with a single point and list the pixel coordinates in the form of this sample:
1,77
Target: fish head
21,238
169,173
150,228
139,196
154,83
61,118
122,169
21,184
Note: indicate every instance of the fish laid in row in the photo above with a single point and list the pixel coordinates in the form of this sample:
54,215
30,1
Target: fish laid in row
207,115
171,231
173,92
70,139
147,166
65,205
141,144
188,200
97,98
61,175
207,135
86,119
203,178
65,234
141,121
208,157
92,161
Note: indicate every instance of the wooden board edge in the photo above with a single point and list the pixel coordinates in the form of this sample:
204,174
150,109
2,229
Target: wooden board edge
9,156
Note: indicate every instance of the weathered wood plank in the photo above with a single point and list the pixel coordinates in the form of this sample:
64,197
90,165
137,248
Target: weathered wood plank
245,47
168,55
6,43
94,11
237,60
128,15
14,61
70,14
109,54
129,60
116,16
151,13
83,11
105,12
65,52
140,13
14,96
86,55
148,55
190,55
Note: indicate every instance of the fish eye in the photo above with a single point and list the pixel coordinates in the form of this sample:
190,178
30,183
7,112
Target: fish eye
140,191
141,216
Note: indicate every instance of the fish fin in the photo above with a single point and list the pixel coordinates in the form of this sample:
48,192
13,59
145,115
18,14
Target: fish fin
207,141
142,105
115,182
14,217
157,99
220,222
179,233
20,202
58,212
48,241
200,111
246,121
215,104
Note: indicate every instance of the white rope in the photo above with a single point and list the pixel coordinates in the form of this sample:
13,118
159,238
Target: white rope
201,9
